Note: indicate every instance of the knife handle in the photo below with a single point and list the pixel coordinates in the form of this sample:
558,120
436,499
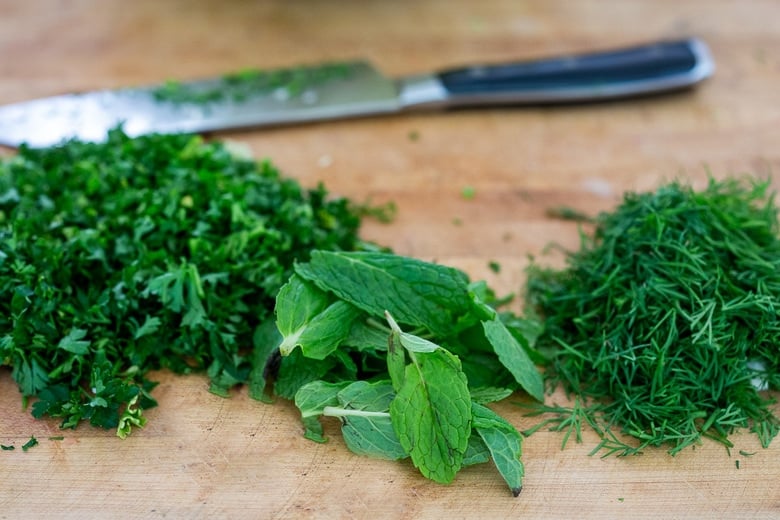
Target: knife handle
634,71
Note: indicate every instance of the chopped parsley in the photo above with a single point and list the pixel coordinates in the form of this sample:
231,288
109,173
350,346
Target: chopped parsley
157,252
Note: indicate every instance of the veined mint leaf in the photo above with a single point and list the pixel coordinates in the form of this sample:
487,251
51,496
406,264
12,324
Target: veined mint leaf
416,293
307,318
431,414
365,336
514,358
366,425
476,452
504,443
265,340
490,394
311,399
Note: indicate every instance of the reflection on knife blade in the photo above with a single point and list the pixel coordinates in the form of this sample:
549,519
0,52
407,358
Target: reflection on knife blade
257,98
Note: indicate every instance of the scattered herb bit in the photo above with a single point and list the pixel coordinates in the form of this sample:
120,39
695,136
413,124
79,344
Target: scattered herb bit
147,253
413,348
5,447
384,213
414,135
568,213
57,438
736,463
29,444
664,324
621,499
494,266
285,84
468,192
747,453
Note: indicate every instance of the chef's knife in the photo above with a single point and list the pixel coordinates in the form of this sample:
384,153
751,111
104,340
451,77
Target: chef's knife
257,98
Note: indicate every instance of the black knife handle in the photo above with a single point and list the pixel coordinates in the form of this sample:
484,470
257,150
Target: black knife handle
644,69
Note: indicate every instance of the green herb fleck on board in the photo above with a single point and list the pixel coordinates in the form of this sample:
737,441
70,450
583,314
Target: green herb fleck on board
29,444
468,192
568,213
7,447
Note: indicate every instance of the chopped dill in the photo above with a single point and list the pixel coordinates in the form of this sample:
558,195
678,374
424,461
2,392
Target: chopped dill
666,321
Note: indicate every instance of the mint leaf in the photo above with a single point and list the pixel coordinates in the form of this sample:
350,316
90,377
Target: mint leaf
476,452
297,370
416,293
504,443
514,358
490,394
306,318
311,399
366,335
431,414
265,340
366,424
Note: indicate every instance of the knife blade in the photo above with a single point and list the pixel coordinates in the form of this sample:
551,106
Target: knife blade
353,89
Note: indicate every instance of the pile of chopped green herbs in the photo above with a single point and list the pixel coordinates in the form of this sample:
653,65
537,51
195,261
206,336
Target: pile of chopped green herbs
138,254
665,324
406,354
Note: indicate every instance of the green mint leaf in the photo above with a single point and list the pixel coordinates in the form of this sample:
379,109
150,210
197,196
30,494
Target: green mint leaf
431,414
396,358
307,319
504,443
74,342
514,357
367,336
416,293
410,342
311,399
297,370
477,451
366,424
265,340
490,394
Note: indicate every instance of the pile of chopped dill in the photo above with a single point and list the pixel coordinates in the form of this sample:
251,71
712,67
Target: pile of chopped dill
163,251
665,324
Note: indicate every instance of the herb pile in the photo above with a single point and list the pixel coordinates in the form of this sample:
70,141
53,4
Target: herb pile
146,253
406,353
666,323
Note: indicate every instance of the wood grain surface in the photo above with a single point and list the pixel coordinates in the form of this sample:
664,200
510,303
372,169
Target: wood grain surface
202,456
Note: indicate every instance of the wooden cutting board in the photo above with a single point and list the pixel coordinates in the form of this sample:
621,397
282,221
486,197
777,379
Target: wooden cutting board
202,456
